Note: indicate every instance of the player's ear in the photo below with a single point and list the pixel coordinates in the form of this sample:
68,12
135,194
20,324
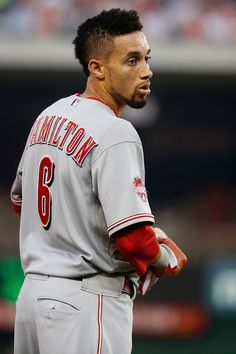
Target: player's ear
96,68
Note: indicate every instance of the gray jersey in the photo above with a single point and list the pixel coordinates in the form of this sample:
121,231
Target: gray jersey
80,180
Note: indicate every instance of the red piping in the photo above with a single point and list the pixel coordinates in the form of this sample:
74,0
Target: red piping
97,99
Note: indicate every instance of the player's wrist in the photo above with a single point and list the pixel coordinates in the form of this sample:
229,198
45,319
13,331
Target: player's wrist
162,260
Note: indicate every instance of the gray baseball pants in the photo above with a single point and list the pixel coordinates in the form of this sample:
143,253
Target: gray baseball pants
61,316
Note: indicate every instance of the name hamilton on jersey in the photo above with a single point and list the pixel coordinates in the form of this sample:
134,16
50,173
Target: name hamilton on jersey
64,134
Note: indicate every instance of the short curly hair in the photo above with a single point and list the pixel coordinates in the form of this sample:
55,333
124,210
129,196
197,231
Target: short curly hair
95,35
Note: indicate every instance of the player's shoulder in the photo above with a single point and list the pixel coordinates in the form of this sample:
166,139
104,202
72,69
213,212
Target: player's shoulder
57,105
64,101
119,133
121,130
103,120
98,118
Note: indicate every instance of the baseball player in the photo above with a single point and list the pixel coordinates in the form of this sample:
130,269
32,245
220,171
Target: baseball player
87,243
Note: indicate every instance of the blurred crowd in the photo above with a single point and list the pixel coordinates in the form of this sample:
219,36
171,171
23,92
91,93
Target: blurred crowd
200,20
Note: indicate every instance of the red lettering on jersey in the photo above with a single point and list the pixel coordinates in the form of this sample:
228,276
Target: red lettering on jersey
33,139
76,139
70,128
50,132
45,179
45,128
85,149
53,130
57,137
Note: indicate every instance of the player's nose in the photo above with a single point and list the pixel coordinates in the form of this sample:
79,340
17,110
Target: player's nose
146,72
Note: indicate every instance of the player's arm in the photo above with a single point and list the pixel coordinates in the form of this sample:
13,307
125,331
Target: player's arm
16,194
177,257
144,247
120,187
16,189
139,245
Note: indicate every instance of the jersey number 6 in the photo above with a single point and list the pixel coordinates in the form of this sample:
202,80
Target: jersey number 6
45,179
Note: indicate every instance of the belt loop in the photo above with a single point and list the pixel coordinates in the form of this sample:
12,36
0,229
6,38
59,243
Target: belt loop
134,292
129,288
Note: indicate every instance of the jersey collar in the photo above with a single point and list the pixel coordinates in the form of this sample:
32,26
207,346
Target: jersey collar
99,100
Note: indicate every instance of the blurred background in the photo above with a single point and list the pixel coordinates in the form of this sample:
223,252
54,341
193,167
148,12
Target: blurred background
188,130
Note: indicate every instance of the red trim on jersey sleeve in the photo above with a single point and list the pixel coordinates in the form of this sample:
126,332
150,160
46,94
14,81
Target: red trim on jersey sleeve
15,200
142,217
139,247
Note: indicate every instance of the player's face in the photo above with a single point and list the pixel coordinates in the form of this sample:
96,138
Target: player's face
128,74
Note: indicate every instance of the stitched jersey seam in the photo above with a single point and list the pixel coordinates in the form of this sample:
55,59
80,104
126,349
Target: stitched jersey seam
122,142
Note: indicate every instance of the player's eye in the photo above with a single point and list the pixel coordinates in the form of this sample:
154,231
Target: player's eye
147,58
132,61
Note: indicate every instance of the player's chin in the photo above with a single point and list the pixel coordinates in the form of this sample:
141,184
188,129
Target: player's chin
138,102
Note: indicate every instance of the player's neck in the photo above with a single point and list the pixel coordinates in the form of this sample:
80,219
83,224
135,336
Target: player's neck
100,93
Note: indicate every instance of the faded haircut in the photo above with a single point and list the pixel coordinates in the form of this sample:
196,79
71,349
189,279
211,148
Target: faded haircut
95,36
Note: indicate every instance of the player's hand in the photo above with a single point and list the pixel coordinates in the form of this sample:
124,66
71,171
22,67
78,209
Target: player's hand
147,281
160,234
177,258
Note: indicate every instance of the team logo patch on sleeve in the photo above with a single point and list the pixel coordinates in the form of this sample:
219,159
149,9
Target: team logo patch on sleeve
140,189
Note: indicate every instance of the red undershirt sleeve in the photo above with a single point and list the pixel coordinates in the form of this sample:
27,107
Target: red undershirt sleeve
17,209
139,246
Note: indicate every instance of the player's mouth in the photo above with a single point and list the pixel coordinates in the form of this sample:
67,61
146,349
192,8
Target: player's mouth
144,89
